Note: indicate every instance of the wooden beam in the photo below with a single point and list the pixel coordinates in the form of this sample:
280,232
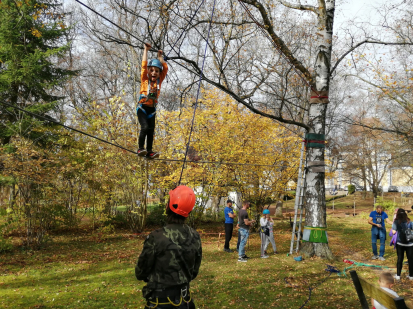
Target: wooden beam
359,290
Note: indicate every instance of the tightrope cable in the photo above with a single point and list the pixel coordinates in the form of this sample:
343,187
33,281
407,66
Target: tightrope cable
197,94
183,31
67,127
126,149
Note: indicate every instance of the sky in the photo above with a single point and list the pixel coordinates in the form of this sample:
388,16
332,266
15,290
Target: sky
362,9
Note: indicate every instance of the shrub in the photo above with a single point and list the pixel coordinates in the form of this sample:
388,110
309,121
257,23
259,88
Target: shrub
388,206
118,221
156,216
351,189
364,215
5,245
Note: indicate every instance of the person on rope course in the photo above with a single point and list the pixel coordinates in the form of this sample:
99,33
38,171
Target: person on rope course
152,75
244,228
403,226
386,282
229,225
171,256
377,220
264,232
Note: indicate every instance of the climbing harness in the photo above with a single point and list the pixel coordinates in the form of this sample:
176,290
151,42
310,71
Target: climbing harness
150,95
183,294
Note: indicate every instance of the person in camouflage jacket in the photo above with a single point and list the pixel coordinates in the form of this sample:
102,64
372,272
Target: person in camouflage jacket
171,256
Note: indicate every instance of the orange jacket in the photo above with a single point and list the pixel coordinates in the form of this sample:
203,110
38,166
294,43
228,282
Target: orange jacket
145,83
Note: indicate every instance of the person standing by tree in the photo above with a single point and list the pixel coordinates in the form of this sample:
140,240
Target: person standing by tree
244,228
229,225
378,231
171,256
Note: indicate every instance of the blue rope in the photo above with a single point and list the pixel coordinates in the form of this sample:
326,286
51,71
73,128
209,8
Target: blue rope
183,31
197,95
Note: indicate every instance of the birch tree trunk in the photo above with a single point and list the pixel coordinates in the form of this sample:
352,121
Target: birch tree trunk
315,214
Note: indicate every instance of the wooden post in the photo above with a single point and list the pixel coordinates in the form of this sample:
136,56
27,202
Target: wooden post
354,206
333,204
359,290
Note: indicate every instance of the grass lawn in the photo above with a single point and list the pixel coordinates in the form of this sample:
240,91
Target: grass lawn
81,271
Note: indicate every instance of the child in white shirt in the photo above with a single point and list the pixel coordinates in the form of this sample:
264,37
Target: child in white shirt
386,282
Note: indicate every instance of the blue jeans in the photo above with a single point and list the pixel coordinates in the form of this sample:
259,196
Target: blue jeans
377,233
239,240
244,237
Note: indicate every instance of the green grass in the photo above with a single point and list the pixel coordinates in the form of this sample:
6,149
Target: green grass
77,271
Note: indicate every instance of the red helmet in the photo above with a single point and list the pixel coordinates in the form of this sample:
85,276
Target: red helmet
182,200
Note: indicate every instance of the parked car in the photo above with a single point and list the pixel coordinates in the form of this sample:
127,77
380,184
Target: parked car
360,188
393,189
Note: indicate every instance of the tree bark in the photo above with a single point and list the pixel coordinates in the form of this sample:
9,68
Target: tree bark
315,214
279,209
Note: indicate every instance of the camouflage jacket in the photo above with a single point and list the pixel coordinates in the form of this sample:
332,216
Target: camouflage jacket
171,256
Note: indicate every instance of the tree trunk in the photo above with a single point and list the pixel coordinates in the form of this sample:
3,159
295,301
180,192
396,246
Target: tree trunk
315,214
279,207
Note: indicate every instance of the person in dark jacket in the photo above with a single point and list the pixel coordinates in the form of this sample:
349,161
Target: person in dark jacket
403,225
171,256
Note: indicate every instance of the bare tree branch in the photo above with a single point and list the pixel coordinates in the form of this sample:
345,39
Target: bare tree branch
298,6
367,41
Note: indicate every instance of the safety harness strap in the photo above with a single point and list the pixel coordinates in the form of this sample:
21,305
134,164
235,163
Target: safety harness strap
148,116
142,96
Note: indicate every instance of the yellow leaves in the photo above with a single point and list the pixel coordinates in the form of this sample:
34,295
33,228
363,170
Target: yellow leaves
19,3
36,33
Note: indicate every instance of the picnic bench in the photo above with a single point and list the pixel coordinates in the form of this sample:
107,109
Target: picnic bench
386,299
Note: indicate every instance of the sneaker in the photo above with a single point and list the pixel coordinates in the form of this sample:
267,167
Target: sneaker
406,263
142,152
228,250
381,258
245,256
152,155
396,277
264,256
374,257
241,259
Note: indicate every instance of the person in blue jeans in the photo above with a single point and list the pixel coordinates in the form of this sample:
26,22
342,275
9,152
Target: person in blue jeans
377,220
244,230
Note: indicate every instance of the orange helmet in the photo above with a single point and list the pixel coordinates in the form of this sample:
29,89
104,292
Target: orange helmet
182,200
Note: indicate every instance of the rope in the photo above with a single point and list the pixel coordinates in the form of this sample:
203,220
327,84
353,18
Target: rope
67,127
354,263
263,30
190,21
197,95
129,150
329,268
108,20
